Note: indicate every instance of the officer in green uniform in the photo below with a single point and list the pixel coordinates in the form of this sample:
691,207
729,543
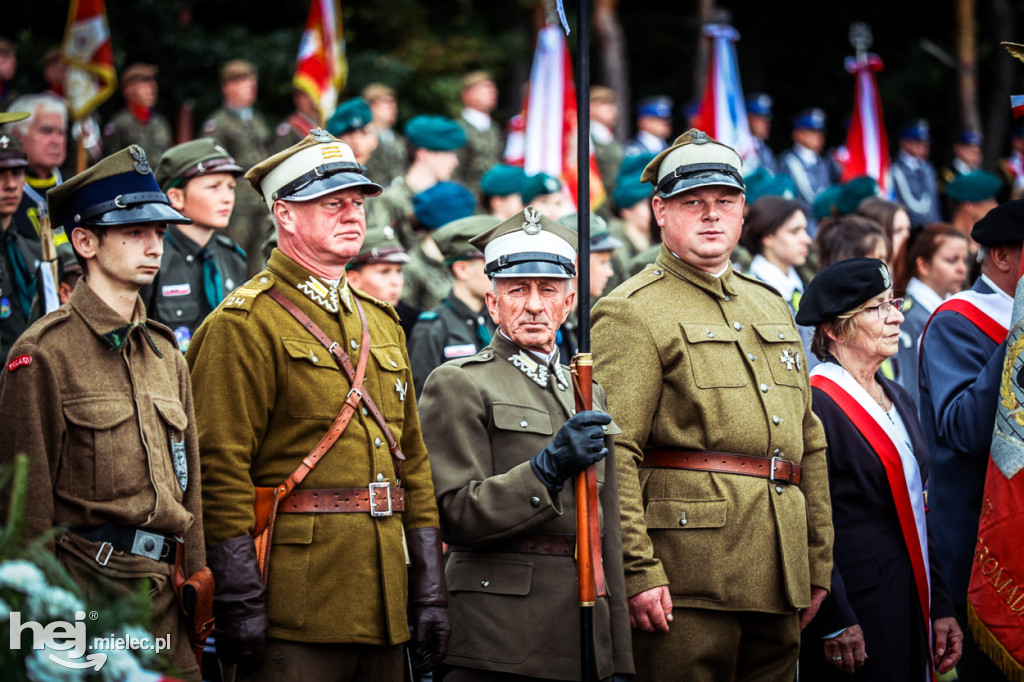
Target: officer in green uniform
433,141
139,122
501,191
726,517
484,143
104,410
608,151
459,325
17,252
240,129
390,159
506,440
378,270
356,552
352,123
427,278
200,265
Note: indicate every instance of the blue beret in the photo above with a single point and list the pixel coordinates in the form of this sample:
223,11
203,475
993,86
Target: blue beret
916,131
658,105
842,287
969,137
350,115
1002,226
976,186
760,104
436,133
443,203
502,180
813,119
538,184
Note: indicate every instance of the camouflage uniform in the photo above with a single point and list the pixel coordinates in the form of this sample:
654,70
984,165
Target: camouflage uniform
482,150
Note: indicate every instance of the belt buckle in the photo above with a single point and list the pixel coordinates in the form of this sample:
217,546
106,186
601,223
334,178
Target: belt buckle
109,549
149,545
771,476
386,487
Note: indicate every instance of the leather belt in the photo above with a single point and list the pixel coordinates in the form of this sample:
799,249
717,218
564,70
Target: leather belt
114,538
774,469
529,543
376,499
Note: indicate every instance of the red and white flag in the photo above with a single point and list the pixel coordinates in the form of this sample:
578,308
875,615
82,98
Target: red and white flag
548,140
866,141
722,113
321,69
90,77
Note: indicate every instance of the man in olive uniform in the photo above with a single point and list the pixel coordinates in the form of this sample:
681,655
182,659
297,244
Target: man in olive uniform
139,122
484,142
17,253
104,410
200,265
726,518
506,441
293,129
240,129
377,270
459,325
390,159
608,150
339,599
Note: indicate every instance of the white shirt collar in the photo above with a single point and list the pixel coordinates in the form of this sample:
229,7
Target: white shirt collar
961,166
769,273
912,161
601,133
805,154
651,142
478,119
996,288
927,297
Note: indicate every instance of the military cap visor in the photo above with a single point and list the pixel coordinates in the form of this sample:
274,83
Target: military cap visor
841,288
13,116
694,160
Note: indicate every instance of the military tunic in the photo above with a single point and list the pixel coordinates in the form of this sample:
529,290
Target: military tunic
19,261
266,392
125,129
106,417
695,361
484,417
427,281
810,172
178,296
916,187
389,160
449,330
482,150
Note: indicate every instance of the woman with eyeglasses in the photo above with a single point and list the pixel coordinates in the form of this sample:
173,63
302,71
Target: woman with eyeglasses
888,615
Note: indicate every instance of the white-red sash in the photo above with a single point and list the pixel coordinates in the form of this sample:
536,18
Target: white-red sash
988,312
901,470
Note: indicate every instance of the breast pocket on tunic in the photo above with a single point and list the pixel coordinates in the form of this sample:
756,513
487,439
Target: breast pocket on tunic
175,311
104,456
489,608
315,389
171,450
289,569
784,352
395,382
715,357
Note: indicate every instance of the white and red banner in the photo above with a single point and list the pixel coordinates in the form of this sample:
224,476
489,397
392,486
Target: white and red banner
90,77
321,69
544,140
723,113
866,141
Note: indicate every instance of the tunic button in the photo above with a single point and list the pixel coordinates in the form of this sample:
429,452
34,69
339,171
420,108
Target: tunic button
189,259
764,388
485,583
380,477
778,489
711,335
682,519
264,280
524,423
737,326
726,298
777,452
656,272
751,356
178,313
366,413
377,442
393,363
776,420
353,344
781,335
534,501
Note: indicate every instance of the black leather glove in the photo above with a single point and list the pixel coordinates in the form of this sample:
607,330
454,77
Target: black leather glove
239,597
577,445
428,600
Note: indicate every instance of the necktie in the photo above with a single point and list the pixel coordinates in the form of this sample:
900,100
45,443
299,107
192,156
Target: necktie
24,283
482,332
213,286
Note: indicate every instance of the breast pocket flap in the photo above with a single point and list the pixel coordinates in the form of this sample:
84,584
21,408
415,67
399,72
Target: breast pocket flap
523,418
491,575
98,413
686,514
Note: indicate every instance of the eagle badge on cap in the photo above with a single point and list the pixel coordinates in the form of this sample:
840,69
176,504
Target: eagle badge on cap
699,137
141,162
321,135
886,281
531,225
5,142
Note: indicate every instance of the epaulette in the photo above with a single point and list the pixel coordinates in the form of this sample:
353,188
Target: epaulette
242,298
486,355
427,315
646,277
229,243
376,301
47,322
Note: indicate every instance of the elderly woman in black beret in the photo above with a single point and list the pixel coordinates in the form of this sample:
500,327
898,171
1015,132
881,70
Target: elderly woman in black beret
888,615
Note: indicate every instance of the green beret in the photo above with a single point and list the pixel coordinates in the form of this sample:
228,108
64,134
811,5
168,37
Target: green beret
541,183
380,245
762,183
853,192
976,186
635,164
453,238
601,239
825,204
182,162
502,180
350,115
435,133
443,203
629,191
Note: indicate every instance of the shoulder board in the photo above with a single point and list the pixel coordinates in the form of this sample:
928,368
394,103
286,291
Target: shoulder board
427,315
47,322
242,298
377,302
486,355
229,243
646,277
162,330
210,125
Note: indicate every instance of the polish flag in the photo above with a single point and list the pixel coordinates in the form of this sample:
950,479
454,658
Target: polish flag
723,113
86,48
866,140
321,69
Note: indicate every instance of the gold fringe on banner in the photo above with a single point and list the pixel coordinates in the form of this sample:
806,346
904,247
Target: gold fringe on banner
993,648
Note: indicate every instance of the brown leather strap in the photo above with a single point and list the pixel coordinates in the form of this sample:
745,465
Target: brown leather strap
339,354
773,468
372,499
528,543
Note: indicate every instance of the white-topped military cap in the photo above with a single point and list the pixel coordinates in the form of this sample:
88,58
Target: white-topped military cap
694,160
528,245
317,165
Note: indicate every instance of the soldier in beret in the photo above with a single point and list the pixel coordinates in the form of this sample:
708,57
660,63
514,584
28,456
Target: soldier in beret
544,192
458,325
506,440
139,122
352,123
293,129
632,226
355,561
377,270
105,410
390,159
484,142
726,519
17,252
201,265
501,190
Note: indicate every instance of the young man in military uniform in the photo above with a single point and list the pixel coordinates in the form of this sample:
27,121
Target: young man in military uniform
139,122
356,551
459,325
241,130
377,270
201,265
104,409
484,144
18,253
506,441
726,518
